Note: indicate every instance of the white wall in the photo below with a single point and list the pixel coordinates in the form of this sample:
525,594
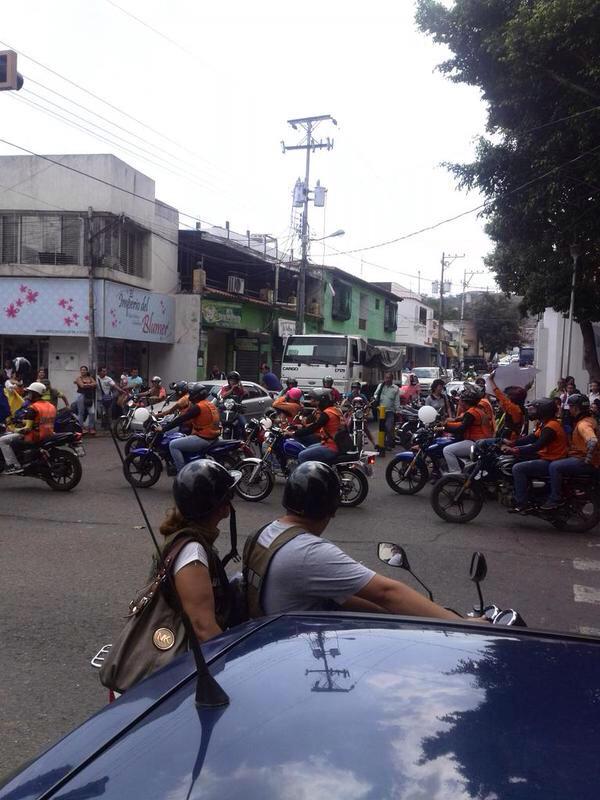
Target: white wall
65,355
178,361
551,341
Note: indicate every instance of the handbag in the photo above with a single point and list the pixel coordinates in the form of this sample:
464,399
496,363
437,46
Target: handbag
154,633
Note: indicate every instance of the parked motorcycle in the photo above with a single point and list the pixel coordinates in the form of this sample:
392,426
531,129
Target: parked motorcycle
395,556
409,471
280,457
143,466
55,461
488,476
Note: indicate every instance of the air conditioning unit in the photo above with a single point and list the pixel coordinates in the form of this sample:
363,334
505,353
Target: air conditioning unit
235,284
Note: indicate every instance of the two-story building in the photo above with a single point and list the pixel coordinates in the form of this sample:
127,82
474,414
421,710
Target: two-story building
415,331
64,218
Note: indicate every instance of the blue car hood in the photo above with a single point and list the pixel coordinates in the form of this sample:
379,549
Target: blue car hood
352,707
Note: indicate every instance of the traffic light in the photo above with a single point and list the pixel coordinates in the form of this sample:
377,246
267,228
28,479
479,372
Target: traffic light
9,77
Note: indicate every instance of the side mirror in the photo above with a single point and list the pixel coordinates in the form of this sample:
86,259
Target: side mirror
478,569
393,555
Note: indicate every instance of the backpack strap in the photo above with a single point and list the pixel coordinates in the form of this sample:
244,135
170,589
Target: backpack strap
254,578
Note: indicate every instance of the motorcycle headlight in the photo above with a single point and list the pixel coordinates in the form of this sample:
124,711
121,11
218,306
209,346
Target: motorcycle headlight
229,404
473,453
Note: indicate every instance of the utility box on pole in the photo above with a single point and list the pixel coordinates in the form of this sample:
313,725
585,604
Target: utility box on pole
9,77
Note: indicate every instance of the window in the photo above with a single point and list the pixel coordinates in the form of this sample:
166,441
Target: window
40,239
354,351
341,302
422,315
316,350
253,390
390,322
8,239
377,304
121,245
363,311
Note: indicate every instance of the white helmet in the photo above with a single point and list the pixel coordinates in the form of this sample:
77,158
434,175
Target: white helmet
36,387
427,414
156,379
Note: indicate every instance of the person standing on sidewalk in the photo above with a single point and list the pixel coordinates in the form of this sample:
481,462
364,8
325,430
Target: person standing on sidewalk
86,397
387,394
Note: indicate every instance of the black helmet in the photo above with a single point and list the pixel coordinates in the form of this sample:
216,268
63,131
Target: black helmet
355,385
201,487
291,382
543,409
328,381
198,391
180,388
312,490
234,376
471,394
579,400
22,367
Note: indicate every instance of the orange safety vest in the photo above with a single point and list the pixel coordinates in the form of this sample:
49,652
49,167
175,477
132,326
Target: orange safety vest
207,423
287,407
331,427
579,439
558,447
43,422
487,408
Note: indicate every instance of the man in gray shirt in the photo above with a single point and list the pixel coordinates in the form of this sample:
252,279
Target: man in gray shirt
288,566
387,394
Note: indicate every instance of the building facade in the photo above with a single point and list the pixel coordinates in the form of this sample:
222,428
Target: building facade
416,327
58,221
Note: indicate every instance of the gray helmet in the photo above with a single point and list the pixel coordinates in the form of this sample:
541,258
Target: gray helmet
579,400
197,392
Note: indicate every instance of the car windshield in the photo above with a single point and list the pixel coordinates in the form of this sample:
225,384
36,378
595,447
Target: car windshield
316,350
425,372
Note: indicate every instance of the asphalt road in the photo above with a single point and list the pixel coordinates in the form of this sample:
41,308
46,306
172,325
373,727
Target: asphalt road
71,562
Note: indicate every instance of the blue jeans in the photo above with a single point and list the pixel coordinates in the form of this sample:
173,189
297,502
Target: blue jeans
317,452
82,408
523,470
566,466
189,444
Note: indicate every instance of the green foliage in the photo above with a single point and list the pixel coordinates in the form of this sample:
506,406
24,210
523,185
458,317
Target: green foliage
497,320
535,62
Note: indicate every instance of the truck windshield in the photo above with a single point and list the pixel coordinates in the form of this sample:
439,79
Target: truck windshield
425,372
316,350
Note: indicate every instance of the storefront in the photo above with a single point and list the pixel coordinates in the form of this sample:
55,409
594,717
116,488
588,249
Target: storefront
47,320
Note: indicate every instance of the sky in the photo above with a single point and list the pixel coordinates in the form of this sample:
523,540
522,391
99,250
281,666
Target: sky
200,94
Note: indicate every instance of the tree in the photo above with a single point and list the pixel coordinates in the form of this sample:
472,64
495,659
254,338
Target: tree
537,64
497,320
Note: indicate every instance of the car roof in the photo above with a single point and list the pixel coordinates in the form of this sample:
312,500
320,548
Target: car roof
352,706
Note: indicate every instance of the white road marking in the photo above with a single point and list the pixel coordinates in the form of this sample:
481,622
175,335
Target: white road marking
586,594
589,631
586,564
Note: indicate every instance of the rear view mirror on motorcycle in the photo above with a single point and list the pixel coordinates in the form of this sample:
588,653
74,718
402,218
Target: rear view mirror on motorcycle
395,556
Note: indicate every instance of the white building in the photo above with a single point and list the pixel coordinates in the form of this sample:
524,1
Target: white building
54,220
415,325
551,352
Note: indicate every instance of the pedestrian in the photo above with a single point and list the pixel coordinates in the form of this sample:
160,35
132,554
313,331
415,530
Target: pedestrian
135,380
594,392
217,374
438,399
8,369
387,394
86,395
108,391
269,380
289,567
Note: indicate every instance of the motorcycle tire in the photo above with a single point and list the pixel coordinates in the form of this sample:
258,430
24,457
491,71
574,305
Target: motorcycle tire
399,481
142,471
65,470
442,500
261,485
355,486
133,442
578,516
121,429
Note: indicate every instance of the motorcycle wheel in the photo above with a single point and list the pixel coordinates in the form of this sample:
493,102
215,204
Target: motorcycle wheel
257,488
142,471
133,442
447,507
121,429
403,483
578,515
355,486
65,471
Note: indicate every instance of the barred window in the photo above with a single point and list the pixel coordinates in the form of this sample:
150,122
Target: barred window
40,239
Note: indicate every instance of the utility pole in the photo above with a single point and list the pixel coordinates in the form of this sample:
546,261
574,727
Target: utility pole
445,262
465,285
308,144
91,304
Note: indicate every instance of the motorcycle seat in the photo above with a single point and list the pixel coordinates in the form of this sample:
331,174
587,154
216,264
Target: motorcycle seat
351,455
56,438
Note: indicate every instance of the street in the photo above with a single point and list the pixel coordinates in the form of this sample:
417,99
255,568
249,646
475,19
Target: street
71,563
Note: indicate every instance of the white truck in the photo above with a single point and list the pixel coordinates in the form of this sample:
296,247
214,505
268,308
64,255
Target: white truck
311,357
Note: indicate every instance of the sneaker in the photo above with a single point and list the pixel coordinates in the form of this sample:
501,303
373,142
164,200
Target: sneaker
13,469
524,509
550,505
92,431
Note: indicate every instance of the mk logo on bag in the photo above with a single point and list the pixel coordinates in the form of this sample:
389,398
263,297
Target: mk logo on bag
163,638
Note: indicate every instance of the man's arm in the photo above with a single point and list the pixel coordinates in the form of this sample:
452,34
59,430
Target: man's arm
398,598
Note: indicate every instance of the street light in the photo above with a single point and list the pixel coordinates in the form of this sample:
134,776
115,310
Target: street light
339,232
575,251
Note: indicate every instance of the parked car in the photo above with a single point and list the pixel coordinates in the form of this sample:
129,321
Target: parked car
256,403
346,705
427,375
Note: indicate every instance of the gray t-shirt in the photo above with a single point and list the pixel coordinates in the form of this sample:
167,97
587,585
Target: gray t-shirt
309,574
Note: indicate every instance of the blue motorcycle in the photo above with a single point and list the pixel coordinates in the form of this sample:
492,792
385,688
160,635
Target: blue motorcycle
143,466
409,471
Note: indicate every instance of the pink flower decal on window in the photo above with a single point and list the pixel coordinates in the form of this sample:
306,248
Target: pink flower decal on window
20,302
32,296
22,288
68,321
87,318
75,315
62,302
11,310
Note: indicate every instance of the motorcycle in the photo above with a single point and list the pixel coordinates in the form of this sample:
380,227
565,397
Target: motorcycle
135,416
230,418
459,497
406,426
280,457
143,466
51,461
395,556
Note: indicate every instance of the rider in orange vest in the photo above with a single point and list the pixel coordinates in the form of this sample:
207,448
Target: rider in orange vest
327,423
41,414
206,426
473,425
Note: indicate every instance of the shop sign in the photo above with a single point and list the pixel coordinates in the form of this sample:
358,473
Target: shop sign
47,306
221,314
286,327
246,344
131,313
